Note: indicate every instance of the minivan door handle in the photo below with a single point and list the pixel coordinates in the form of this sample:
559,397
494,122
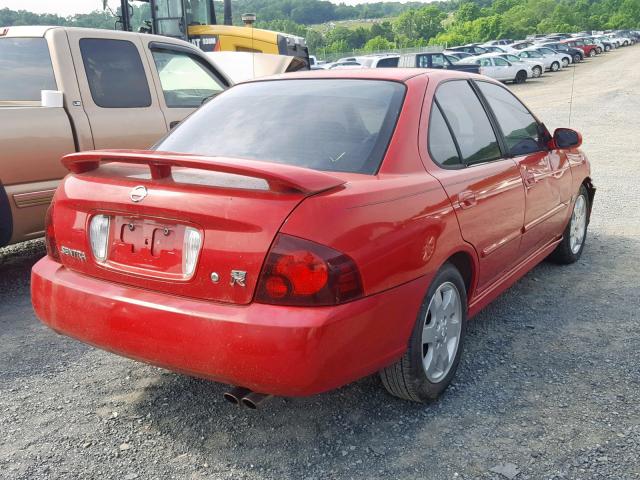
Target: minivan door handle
467,199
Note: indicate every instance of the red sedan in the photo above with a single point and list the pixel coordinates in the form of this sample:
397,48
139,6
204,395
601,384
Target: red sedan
298,233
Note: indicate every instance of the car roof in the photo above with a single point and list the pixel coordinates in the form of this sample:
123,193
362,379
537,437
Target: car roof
392,74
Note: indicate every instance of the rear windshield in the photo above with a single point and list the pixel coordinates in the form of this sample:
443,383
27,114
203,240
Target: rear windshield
25,69
324,124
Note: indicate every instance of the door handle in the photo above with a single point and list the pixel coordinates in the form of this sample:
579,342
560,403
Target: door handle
467,199
528,177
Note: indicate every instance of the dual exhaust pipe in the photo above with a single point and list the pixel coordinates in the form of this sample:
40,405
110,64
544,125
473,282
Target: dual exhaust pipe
245,397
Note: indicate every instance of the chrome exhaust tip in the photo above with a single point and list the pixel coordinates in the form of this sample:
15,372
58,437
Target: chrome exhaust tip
234,396
253,400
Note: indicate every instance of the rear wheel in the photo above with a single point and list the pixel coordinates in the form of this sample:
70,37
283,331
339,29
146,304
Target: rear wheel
592,53
537,71
607,48
598,50
435,346
577,58
555,66
521,77
570,248
565,62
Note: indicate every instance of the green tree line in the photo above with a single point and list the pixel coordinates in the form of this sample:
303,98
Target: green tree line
398,25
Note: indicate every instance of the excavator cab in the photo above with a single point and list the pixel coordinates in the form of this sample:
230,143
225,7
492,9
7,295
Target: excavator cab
195,22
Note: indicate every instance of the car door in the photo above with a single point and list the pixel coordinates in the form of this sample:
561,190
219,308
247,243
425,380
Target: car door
114,79
503,69
183,78
484,187
545,173
487,68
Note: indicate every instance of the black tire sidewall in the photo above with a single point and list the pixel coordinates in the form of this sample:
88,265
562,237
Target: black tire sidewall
425,389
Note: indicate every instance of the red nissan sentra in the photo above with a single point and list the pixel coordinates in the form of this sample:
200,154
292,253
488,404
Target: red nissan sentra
300,232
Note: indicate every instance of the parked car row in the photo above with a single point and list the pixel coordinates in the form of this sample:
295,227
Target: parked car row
504,60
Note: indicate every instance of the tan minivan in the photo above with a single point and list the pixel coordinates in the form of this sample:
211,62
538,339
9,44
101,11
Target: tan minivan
101,89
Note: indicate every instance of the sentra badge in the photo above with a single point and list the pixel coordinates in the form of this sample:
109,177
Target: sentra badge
70,252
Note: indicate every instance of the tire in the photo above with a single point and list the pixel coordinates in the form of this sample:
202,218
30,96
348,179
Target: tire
555,66
598,50
521,77
577,58
537,71
423,373
565,62
568,251
592,53
607,48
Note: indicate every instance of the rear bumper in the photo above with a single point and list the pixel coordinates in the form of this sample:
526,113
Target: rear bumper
289,351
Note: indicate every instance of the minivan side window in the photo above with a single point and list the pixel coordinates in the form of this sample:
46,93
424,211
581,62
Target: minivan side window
186,83
115,73
469,122
520,128
26,69
442,147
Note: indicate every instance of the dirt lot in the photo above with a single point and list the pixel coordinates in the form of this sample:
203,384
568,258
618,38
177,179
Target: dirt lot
549,385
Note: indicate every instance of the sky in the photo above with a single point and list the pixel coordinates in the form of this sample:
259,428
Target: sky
69,7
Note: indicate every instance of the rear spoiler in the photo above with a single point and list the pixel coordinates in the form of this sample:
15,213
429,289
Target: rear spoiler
280,177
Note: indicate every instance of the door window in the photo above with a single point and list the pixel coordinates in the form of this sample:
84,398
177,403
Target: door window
485,62
521,130
437,61
500,62
469,122
115,73
423,61
186,83
26,69
442,147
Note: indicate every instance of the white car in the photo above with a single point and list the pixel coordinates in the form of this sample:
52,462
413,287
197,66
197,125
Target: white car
494,66
379,61
499,49
565,59
551,64
537,67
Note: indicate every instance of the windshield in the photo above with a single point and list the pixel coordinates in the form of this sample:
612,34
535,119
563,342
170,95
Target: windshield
323,124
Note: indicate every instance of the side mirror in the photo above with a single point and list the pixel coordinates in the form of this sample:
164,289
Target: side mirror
51,98
566,138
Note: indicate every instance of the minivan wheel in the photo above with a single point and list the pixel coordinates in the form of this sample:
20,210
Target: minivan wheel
435,346
521,77
555,66
537,71
574,237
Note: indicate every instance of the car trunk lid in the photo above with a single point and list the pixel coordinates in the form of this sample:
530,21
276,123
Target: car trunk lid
154,200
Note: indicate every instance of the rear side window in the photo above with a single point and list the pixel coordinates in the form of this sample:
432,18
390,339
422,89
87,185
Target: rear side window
186,83
520,128
25,69
469,122
328,124
115,73
390,62
442,148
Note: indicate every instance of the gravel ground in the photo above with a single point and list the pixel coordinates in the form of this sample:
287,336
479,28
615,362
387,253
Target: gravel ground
548,388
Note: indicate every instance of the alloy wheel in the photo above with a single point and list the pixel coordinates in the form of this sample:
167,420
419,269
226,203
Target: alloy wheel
578,224
441,332
537,72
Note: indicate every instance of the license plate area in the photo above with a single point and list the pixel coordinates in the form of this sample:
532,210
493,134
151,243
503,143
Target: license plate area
149,247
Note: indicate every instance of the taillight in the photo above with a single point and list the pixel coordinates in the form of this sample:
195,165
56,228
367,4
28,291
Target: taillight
300,272
99,236
190,250
50,234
